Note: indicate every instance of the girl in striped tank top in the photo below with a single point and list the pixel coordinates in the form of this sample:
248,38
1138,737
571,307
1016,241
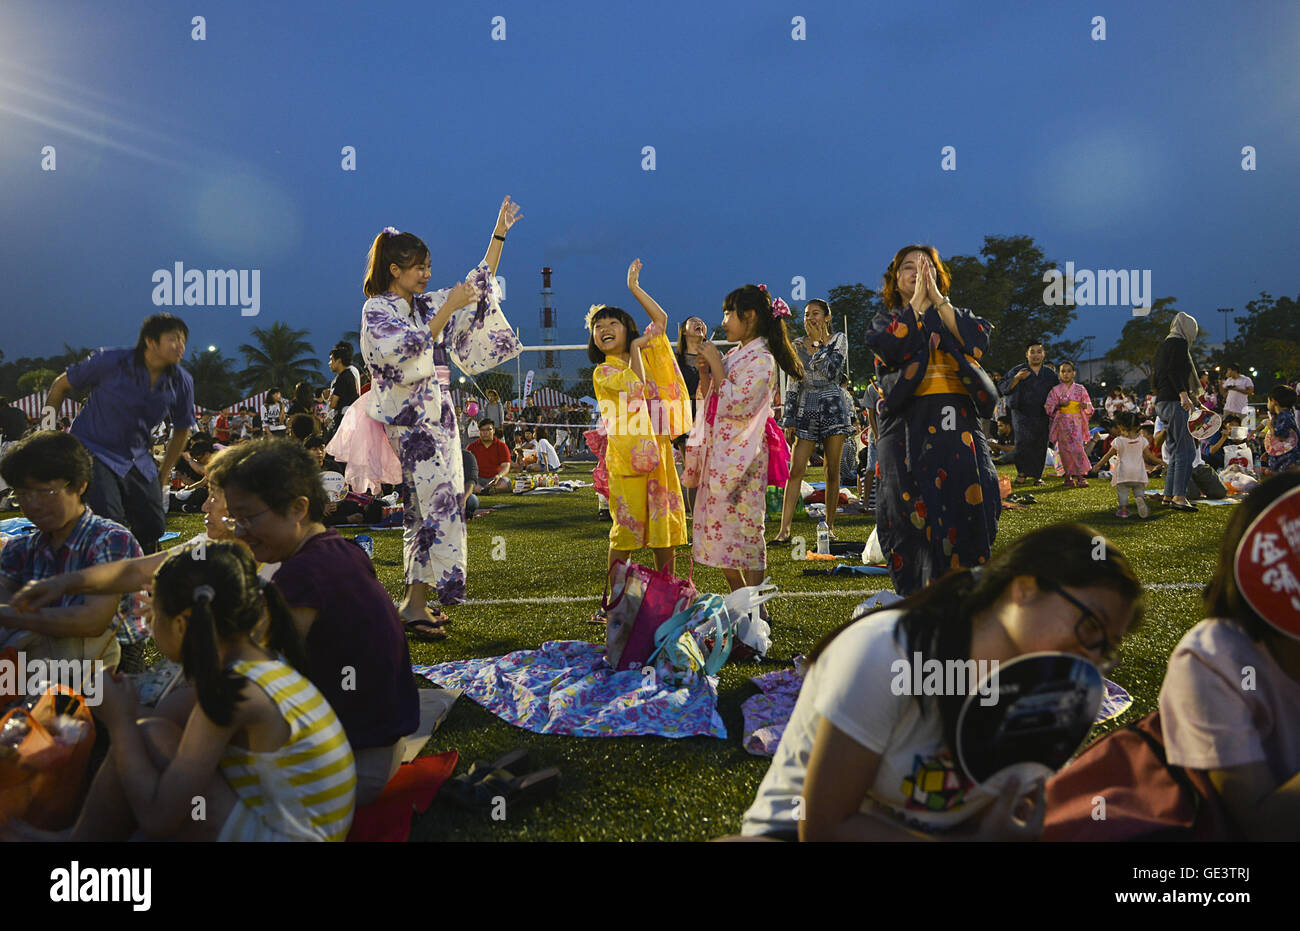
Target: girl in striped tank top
262,756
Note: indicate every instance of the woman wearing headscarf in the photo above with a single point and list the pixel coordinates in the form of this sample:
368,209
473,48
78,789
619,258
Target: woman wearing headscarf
1178,387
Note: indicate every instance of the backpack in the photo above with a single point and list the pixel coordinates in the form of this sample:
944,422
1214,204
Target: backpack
1145,797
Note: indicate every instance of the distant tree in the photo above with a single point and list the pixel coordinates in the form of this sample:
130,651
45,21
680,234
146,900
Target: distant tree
1112,376
554,381
852,307
282,356
36,380
214,380
1006,287
583,388
1003,284
1268,339
1141,336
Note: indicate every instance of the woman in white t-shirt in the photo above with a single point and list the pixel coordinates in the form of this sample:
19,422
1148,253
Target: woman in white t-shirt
1230,702
858,761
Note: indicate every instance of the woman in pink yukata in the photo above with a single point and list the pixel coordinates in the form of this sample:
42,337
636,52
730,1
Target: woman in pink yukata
1070,407
727,450
409,338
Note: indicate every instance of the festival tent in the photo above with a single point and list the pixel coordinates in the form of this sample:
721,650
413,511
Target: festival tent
545,398
32,404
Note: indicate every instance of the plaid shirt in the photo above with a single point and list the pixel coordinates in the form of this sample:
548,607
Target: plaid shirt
93,540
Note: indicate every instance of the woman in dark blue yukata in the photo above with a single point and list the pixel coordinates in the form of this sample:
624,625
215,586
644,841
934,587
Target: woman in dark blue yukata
938,502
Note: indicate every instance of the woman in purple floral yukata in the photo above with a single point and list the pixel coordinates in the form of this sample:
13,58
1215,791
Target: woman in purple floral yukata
408,339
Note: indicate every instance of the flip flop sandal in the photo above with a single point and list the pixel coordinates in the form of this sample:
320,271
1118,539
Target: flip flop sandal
461,789
599,618
1040,482
516,790
424,631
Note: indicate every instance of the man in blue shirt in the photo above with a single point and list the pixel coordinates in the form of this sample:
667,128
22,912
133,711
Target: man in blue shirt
131,392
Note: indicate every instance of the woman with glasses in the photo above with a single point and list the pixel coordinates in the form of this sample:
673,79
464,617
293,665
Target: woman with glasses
859,761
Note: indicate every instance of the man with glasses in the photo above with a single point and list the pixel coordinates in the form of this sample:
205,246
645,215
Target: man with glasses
50,472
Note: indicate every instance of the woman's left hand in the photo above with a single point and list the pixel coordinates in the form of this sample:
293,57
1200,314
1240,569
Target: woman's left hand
507,216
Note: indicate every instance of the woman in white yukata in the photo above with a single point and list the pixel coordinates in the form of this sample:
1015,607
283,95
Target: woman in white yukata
408,339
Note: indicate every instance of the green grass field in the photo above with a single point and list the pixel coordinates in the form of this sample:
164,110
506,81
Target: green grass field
695,789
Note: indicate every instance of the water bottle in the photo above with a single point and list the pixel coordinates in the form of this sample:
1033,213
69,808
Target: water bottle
823,538
367,543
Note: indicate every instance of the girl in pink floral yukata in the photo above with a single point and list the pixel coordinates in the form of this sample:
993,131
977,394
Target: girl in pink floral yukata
727,454
1070,407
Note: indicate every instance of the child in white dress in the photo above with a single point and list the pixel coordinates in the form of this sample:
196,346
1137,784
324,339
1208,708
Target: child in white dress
1131,453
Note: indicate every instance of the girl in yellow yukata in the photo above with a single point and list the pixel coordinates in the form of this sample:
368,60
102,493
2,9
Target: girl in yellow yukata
644,406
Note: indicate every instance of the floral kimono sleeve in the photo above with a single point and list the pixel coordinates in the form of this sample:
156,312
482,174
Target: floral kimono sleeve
479,337
395,349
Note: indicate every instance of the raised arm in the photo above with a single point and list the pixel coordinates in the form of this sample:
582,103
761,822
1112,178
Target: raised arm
506,217
648,303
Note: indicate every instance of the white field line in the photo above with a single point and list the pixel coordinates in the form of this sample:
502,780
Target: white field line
851,593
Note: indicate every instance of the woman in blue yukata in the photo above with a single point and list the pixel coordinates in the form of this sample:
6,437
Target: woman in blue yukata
408,339
939,503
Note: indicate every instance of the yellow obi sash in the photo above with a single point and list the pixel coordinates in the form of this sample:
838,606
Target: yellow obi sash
941,375
1070,407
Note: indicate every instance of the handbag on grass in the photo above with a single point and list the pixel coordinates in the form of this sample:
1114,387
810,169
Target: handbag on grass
44,755
637,601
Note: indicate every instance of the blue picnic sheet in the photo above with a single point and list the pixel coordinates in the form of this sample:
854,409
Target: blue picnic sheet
566,687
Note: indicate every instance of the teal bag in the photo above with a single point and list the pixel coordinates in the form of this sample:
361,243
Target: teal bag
677,659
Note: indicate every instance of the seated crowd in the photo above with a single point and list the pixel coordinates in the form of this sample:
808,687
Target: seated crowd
297,691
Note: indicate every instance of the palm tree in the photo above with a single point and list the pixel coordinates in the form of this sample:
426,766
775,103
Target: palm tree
214,380
281,357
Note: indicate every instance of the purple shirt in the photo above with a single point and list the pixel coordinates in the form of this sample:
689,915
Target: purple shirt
356,626
116,423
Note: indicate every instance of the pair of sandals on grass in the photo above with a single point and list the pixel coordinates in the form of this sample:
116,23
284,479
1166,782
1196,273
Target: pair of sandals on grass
1026,480
485,783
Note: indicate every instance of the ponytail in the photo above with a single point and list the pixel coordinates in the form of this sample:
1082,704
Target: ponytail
217,689
221,591
390,248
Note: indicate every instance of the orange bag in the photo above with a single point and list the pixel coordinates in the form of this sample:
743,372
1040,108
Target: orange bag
41,780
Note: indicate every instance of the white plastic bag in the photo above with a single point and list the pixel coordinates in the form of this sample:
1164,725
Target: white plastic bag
872,555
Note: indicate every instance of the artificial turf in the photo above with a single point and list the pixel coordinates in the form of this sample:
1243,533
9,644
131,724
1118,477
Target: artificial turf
653,788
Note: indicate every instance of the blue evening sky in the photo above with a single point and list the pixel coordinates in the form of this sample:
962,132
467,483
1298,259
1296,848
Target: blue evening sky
775,158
